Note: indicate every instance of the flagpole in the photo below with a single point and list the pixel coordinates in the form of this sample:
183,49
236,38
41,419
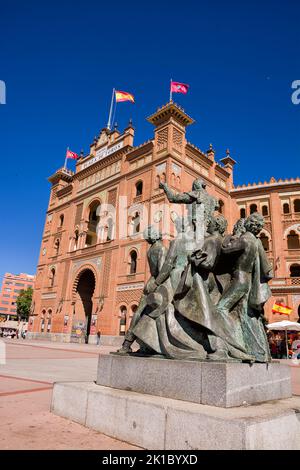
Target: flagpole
110,111
171,90
65,165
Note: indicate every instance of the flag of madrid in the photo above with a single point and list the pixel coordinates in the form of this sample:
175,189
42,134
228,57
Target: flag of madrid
177,87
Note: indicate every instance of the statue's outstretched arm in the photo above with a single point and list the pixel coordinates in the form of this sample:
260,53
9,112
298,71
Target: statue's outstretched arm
184,198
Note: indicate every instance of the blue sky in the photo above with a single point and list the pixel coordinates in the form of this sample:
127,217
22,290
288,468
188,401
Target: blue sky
60,60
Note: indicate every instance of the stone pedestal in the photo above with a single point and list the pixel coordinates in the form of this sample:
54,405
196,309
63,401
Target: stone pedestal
210,383
166,404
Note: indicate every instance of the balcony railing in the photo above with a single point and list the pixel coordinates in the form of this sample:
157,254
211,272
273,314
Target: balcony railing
291,216
285,281
138,198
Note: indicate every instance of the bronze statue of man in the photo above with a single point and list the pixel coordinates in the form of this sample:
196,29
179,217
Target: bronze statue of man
159,328
248,291
200,204
156,257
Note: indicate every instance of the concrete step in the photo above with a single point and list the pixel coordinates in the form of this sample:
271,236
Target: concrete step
158,423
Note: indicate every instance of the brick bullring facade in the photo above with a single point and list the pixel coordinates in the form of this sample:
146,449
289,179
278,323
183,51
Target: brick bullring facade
93,265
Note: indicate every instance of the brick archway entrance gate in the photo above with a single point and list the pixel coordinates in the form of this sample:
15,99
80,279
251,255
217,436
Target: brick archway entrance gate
83,289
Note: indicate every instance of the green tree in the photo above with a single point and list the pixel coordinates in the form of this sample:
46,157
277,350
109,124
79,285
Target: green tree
24,300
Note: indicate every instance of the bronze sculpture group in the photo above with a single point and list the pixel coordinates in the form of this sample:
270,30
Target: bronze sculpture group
206,294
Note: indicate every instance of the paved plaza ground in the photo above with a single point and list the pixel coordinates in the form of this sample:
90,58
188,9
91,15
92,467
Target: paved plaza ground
26,382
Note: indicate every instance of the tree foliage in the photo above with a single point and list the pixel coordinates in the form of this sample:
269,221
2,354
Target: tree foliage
24,300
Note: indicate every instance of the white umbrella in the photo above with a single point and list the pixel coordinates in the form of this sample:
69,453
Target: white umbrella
286,326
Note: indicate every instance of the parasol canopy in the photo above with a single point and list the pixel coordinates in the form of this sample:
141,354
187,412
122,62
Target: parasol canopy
284,325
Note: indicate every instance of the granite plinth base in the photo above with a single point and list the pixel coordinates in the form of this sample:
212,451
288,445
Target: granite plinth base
154,422
209,383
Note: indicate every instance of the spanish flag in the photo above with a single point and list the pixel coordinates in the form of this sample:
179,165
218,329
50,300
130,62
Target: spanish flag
281,309
123,96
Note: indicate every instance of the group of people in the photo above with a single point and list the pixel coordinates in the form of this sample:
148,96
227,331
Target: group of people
206,292
278,347
12,333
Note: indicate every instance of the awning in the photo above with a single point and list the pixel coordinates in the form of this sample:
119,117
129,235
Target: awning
13,324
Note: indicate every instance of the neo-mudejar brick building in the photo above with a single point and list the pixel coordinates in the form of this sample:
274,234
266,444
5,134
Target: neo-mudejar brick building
93,265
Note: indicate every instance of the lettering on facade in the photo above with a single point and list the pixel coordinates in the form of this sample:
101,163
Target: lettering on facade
48,296
126,287
102,153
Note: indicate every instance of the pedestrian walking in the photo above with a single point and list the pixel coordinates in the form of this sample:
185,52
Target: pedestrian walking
98,337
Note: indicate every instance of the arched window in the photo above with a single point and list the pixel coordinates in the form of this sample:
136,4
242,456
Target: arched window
94,218
76,238
178,181
265,241
56,247
133,261
295,270
265,210
286,208
43,320
253,208
52,277
61,220
94,212
110,228
49,316
132,312
123,318
136,223
173,179
293,241
243,213
139,188
221,206
297,205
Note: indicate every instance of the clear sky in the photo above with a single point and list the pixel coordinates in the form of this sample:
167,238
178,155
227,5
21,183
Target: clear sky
60,60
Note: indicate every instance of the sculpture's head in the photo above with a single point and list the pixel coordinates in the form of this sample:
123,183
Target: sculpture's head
254,223
217,224
151,234
239,227
221,224
198,184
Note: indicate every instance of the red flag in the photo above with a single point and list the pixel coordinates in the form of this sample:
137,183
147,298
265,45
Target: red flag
72,155
177,87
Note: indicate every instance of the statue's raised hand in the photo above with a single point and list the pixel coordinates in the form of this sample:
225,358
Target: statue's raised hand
163,185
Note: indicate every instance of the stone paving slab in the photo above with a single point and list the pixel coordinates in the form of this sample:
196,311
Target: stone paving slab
27,424
25,393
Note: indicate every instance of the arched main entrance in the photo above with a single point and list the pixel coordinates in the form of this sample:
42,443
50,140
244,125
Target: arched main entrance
85,287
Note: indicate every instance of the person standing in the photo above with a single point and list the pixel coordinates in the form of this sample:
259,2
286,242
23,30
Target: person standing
98,337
